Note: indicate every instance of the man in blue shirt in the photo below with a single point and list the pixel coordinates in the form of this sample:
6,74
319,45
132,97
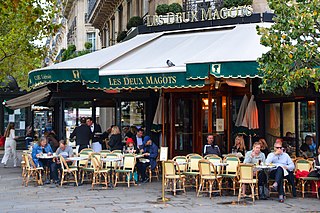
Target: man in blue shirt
284,169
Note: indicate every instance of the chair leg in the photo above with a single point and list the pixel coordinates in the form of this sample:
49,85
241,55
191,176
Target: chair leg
174,187
75,177
200,186
210,188
62,178
252,192
302,188
240,192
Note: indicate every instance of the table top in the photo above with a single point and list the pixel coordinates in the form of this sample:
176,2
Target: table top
77,158
220,164
110,159
46,156
139,156
265,166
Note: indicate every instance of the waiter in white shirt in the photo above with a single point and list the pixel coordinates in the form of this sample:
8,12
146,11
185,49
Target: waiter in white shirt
96,140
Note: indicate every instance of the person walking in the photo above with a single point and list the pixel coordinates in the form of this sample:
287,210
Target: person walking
10,145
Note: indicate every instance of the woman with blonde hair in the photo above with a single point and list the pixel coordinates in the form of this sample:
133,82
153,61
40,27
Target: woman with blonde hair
10,145
115,141
239,145
264,146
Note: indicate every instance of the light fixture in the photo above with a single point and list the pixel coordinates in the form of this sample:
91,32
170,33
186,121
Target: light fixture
236,82
217,84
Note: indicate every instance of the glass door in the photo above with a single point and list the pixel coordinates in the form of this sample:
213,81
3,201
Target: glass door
183,126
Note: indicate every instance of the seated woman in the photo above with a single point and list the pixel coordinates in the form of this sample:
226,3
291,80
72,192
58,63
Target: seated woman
255,156
42,147
239,146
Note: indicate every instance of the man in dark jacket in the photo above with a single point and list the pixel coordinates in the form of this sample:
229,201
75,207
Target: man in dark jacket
211,147
150,152
138,138
83,135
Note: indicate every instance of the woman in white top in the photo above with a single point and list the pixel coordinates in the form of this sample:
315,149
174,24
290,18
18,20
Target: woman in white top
10,145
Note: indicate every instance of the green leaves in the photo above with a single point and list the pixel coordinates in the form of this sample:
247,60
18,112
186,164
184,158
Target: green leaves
294,58
23,23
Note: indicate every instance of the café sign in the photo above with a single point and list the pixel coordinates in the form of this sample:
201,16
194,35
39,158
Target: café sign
200,15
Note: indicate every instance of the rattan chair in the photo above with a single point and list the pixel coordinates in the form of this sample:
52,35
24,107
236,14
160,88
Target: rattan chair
231,172
98,172
67,171
192,173
129,162
246,177
182,163
215,159
208,174
305,165
173,177
32,170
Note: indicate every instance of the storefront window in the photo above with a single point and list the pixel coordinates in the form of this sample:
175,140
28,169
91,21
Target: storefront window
19,119
42,122
133,114
306,122
272,122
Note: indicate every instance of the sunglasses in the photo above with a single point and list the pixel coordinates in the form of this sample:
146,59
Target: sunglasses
278,147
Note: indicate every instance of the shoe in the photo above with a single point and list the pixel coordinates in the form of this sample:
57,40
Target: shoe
47,182
281,198
145,180
14,166
274,188
57,182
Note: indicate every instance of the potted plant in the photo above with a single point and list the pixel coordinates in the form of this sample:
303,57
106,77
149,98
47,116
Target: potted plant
162,9
134,22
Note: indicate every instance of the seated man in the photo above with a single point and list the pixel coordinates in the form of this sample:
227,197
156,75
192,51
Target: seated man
150,151
284,169
255,156
65,151
211,147
42,147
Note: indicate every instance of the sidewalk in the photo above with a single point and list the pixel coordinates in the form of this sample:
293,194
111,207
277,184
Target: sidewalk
141,198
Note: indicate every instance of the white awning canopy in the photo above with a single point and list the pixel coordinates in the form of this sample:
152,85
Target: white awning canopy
29,99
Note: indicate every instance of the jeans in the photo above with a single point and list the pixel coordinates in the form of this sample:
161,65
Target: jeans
278,175
142,167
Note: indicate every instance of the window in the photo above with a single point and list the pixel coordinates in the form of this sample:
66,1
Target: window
133,113
91,37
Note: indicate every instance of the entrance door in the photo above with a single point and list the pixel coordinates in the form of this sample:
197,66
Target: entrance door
184,137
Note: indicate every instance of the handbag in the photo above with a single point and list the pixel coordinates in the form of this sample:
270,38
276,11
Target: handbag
2,140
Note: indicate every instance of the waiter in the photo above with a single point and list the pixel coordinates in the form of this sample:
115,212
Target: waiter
83,135
96,140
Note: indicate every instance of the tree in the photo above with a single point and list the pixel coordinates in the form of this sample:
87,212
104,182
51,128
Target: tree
294,59
23,24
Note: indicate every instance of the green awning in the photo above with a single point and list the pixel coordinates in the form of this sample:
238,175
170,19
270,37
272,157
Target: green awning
247,69
41,77
146,81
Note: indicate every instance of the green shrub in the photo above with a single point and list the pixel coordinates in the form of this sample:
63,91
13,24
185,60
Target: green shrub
121,36
235,3
162,9
88,45
175,8
134,22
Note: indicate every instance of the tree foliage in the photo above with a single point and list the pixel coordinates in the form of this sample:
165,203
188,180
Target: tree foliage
294,59
23,23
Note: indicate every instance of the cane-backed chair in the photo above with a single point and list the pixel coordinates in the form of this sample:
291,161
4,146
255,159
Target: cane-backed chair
231,172
173,177
192,173
182,163
208,174
67,171
104,153
214,159
306,165
129,162
98,172
32,170
246,177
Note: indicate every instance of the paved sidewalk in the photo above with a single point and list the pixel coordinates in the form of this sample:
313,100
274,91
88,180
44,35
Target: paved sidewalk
141,198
